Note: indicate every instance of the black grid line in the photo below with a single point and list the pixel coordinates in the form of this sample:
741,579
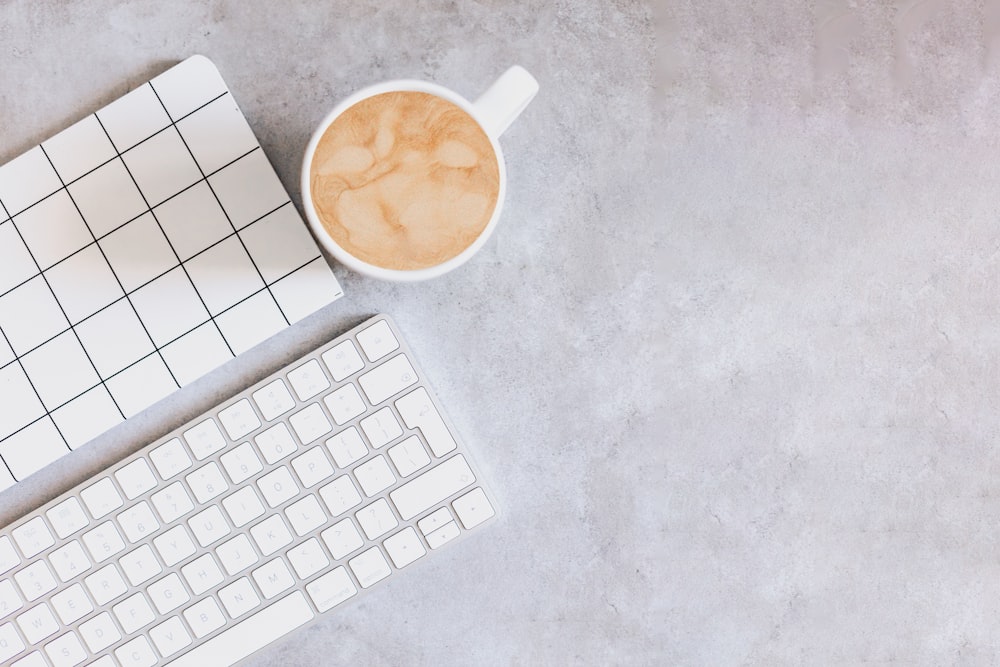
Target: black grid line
118,155
117,152
224,211
154,353
6,215
154,278
175,338
169,242
32,276
120,286
20,363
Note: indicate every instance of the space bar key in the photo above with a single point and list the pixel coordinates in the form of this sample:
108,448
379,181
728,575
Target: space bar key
250,635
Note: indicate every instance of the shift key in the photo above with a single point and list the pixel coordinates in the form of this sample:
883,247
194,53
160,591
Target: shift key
434,486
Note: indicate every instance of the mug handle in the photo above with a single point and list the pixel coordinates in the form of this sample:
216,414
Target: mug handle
504,101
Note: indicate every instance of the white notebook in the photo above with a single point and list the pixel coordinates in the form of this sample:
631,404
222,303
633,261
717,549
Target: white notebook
139,249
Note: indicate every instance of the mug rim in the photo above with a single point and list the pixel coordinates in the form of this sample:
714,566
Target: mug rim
373,270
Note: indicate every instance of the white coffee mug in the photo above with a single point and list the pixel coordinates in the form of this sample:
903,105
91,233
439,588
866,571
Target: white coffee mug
494,110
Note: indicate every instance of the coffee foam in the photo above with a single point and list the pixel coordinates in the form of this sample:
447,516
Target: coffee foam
404,180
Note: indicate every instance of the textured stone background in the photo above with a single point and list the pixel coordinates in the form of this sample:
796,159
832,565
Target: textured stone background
548,347
731,356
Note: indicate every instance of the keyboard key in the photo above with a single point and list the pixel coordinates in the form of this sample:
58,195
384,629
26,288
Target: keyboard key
340,495
445,533
71,604
135,479
243,506
33,537
343,360
10,601
170,459
308,380
312,467
140,565
369,567
209,526
342,538
273,400
136,653
101,498
105,585
331,589
36,659
310,424
305,515
170,636
473,508
138,522
378,340
388,379
435,520
432,487
207,482
418,411
374,476
276,443
35,581
241,463
205,439
239,419
409,456
205,617
69,560
168,593
66,518
404,547
10,641
172,502
278,486
8,557
347,447
37,623
271,534
133,613
344,404
103,542
308,558
237,554
376,519
202,574
100,632
239,597
174,545
273,578
66,651
250,635
381,428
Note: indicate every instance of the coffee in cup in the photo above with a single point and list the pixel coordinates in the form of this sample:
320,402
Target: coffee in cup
405,180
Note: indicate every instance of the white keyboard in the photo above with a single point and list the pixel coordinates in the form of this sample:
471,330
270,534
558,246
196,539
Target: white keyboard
284,503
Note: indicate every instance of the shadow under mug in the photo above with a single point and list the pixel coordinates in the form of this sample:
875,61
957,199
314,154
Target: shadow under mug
494,111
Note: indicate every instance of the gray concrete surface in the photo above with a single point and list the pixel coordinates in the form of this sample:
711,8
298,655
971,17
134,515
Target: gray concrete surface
542,346
731,357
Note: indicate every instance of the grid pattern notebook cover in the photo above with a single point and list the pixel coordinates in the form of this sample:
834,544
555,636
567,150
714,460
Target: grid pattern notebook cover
139,249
